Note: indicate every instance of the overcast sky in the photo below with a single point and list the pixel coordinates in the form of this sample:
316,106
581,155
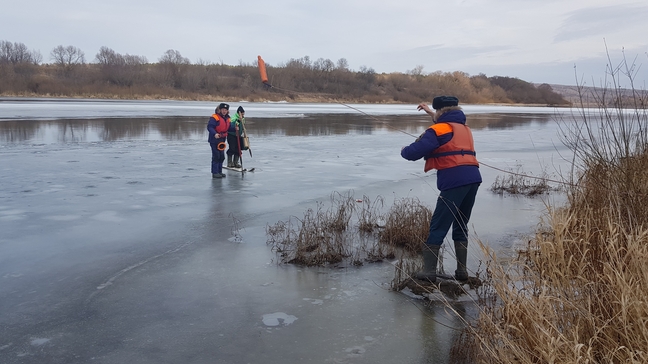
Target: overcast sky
542,41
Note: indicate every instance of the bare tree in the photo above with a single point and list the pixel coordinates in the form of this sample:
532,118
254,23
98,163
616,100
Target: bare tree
173,57
17,53
133,60
67,56
6,52
172,65
343,64
107,56
417,71
324,65
119,69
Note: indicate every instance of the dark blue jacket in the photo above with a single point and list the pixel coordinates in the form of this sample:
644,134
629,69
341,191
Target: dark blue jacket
211,127
429,141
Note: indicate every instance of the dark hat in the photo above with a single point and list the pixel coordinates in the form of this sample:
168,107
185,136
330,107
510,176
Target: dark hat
440,102
240,109
223,106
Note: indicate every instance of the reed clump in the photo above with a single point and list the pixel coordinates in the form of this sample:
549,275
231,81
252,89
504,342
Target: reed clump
341,233
407,225
577,292
517,182
316,239
351,231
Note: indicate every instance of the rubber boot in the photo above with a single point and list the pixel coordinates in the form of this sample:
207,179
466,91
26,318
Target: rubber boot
229,161
430,260
236,162
461,251
219,171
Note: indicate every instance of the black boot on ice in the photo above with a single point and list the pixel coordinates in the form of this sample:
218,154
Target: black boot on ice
430,260
461,250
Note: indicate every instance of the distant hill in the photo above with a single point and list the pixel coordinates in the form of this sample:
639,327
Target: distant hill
569,93
591,94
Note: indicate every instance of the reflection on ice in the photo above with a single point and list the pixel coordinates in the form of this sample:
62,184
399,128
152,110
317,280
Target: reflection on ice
194,128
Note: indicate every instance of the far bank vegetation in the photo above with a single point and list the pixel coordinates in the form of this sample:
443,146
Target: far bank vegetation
110,74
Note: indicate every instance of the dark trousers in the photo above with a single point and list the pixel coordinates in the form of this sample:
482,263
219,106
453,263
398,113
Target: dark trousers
234,145
218,156
453,208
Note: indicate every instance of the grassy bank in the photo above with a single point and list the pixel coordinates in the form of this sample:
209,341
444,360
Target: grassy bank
577,292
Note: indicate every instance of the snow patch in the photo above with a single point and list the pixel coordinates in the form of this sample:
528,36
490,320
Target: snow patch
278,318
39,341
355,351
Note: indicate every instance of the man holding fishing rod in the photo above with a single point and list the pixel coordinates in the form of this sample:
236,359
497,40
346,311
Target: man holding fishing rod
448,147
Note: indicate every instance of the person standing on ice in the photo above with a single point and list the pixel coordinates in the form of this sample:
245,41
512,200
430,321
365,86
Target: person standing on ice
235,138
448,147
217,126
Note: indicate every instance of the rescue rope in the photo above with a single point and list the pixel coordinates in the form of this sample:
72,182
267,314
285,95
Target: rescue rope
528,176
352,108
264,79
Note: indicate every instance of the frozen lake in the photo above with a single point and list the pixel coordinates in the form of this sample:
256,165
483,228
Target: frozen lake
117,246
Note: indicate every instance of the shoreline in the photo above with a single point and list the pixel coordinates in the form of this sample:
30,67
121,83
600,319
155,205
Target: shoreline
296,100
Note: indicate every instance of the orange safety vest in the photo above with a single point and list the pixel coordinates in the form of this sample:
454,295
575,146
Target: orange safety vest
459,151
223,124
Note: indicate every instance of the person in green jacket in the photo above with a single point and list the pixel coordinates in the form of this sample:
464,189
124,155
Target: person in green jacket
235,138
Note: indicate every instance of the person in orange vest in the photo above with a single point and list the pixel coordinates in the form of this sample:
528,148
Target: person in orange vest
217,126
448,147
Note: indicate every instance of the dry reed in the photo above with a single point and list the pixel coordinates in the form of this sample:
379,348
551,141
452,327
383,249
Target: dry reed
407,225
345,232
577,292
352,234
520,183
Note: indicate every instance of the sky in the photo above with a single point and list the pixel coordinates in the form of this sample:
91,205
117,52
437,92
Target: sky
565,42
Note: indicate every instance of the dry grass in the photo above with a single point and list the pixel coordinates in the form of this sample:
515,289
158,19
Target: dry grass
407,226
517,182
344,232
351,231
318,239
356,231
577,292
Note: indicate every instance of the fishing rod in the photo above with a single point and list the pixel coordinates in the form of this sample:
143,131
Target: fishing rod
264,78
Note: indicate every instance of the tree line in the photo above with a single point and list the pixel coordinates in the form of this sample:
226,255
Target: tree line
125,76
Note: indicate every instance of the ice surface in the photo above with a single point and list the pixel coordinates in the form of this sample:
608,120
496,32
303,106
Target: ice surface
117,246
